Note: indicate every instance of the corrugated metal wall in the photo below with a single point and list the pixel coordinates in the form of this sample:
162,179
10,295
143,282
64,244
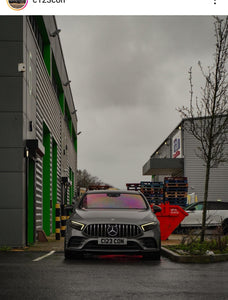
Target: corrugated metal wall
48,112
195,171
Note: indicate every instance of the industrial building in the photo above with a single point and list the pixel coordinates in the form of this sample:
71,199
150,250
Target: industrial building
38,135
176,157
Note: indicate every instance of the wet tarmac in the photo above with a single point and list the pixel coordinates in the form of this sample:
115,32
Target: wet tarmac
36,275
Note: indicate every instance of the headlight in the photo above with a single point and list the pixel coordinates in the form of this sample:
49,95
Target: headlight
149,226
77,225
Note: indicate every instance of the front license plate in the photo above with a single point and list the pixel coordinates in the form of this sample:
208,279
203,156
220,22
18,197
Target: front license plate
112,241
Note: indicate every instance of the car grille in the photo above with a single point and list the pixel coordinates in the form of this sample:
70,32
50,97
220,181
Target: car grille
103,230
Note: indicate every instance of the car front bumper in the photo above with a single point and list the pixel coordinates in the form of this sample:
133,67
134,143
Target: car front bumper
147,242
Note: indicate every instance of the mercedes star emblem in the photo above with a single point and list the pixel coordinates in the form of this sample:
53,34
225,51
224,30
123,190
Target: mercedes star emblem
112,230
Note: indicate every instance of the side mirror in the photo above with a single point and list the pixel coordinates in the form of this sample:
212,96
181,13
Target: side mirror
156,209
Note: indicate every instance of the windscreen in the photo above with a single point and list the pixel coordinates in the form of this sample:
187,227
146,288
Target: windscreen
114,201
198,206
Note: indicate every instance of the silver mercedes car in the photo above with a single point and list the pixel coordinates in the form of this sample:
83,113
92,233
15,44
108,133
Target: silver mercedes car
113,222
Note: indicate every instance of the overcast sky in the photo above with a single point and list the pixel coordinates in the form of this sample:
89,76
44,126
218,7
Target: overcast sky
129,74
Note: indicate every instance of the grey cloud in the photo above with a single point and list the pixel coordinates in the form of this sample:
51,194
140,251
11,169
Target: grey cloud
129,73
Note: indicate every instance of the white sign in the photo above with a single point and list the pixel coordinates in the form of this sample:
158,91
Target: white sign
176,145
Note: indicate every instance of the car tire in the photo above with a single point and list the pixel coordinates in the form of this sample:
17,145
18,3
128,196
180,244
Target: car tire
67,254
71,255
225,226
152,256
77,256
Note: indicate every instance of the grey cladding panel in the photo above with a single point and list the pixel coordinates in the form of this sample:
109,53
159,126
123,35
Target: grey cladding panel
11,125
12,187
11,28
12,160
195,171
163,166
11,94
218,189
13,54
194,168
146,168
14,236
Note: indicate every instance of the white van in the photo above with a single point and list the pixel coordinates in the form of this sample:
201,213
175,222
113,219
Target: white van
217,215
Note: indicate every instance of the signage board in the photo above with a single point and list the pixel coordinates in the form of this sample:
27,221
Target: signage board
176,145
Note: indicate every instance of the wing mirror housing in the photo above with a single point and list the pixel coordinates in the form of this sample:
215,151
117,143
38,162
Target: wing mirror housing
156,209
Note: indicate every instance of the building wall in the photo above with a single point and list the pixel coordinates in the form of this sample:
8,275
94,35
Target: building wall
12,118
195,171
194,167
30,109
166,151
50,115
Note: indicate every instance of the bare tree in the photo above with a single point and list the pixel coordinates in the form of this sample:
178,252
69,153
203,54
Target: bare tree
208,116
85,179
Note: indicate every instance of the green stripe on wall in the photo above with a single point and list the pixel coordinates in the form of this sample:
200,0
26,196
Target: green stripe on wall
31,202
47,57
54,182
46,181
